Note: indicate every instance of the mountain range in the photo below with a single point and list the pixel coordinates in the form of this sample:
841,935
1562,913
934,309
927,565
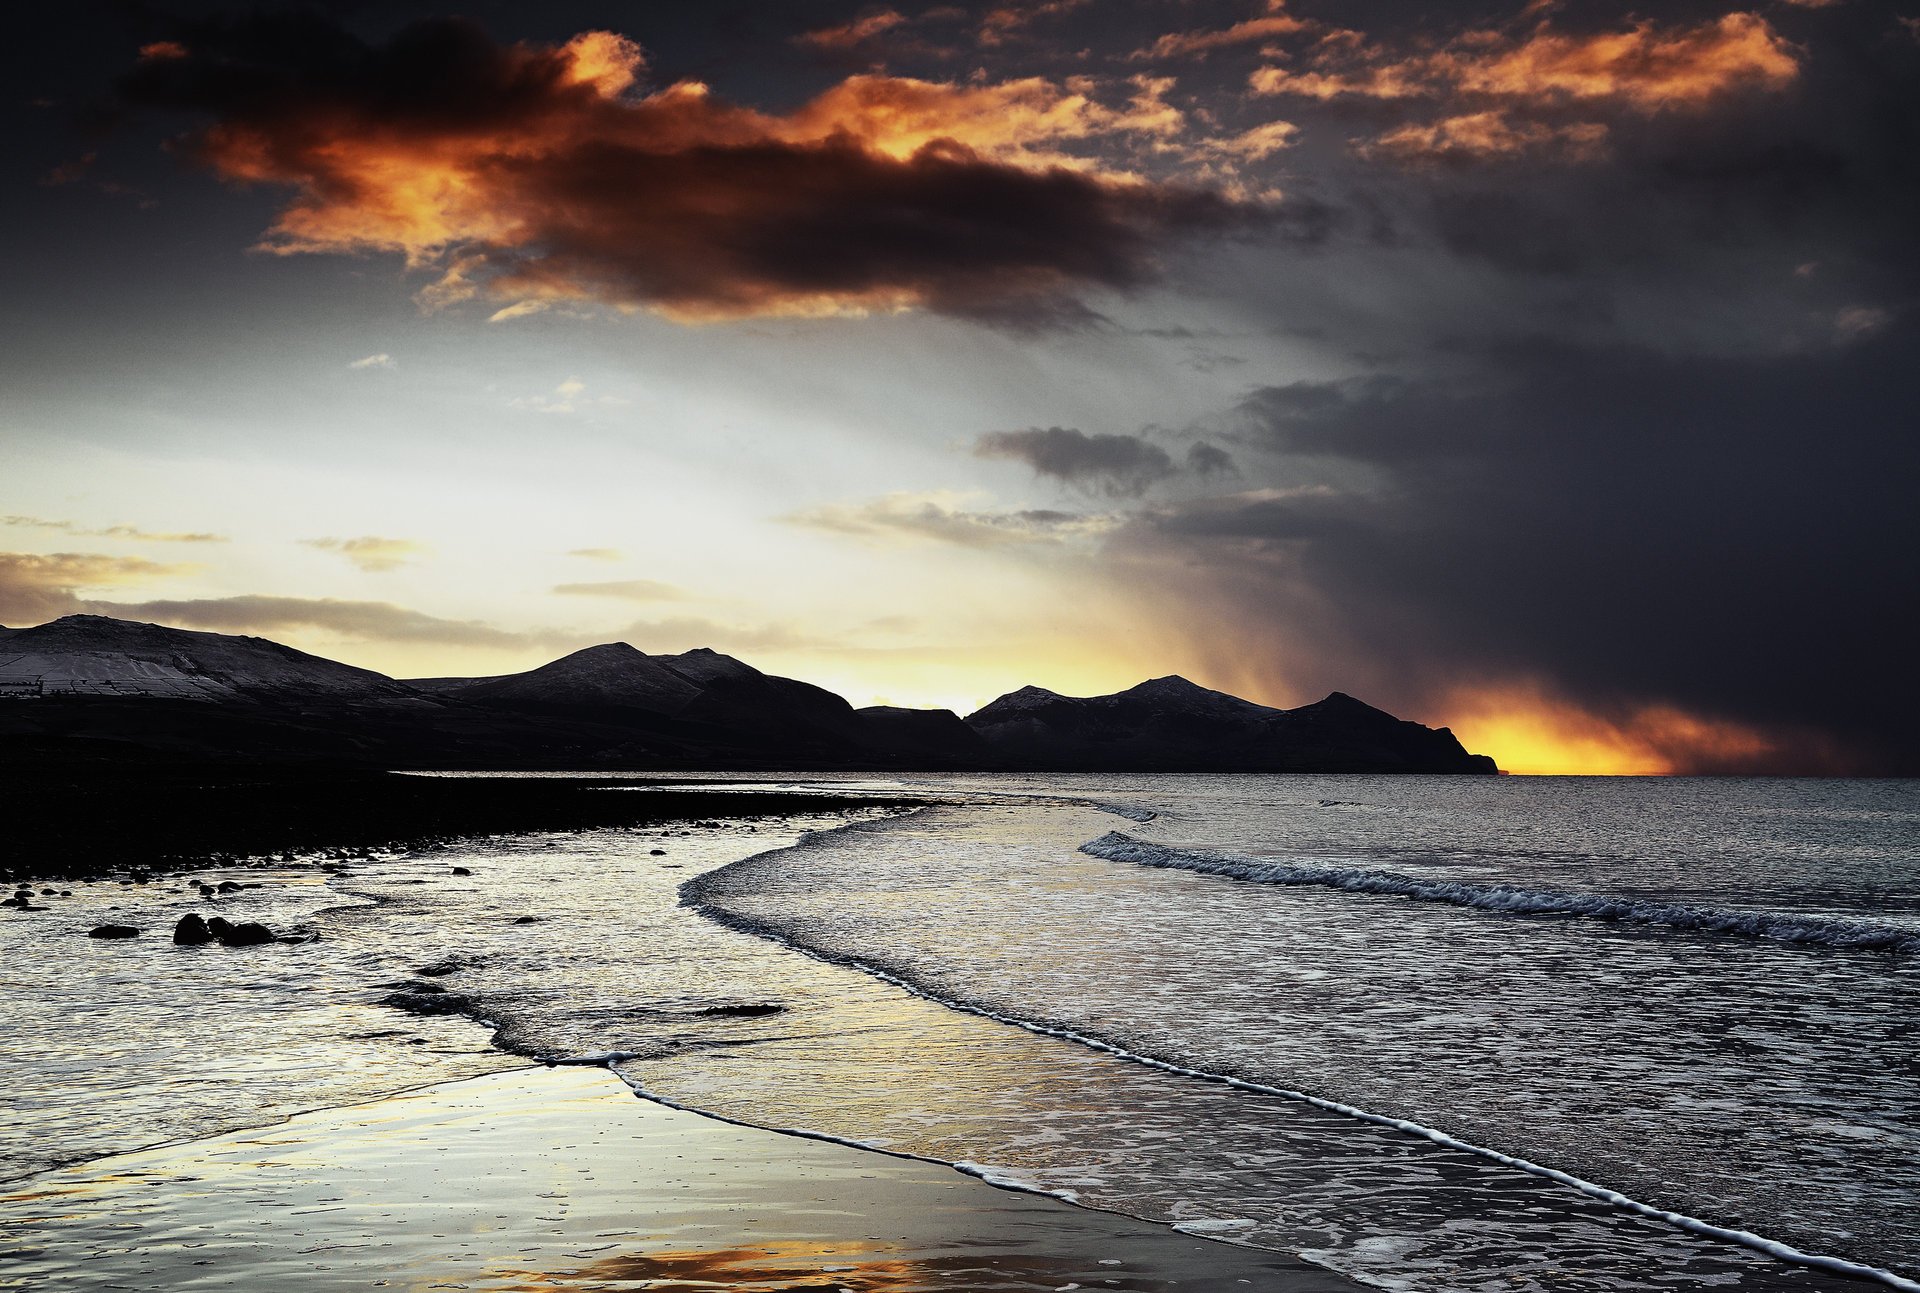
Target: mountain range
88,687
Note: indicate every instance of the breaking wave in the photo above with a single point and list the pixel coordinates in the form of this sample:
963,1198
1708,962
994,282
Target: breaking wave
1825,931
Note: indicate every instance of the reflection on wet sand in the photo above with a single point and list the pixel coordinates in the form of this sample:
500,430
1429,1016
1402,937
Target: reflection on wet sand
543,1179
793,1267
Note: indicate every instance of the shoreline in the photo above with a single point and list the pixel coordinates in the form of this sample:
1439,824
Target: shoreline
65,825
557,1175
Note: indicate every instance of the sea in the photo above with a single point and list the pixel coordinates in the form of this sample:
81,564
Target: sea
1433,1033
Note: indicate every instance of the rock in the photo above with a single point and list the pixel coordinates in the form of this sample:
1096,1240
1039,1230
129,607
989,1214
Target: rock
659,853
428,1003
747,1011
248,933
113,931
218,926
460,870
525,920
440,968
229,886
192,931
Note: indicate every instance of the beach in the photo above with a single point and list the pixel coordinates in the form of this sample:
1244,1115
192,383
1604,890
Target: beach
931,982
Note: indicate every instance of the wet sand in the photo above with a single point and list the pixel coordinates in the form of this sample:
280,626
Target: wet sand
562,1178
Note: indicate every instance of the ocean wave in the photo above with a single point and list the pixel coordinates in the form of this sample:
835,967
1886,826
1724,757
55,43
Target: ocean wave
699,893
1781,926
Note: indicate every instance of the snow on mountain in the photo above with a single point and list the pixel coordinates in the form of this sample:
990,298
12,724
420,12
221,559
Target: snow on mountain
100,656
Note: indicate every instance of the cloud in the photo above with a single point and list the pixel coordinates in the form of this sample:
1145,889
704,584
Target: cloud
1630,532
1205,459
939,518
570,396
598,554
1008,22
132,532
1649,67
373,621
633,590
519,310
36,587
851,35
1480,136
1646,67
382,360
370,552
1198,44
1852,322
1254,144
1114,465
531,173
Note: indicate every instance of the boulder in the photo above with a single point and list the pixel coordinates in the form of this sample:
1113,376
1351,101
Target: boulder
248,933
113,931
192,931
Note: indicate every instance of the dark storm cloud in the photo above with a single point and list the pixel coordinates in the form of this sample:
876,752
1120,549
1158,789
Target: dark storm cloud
536,173
1205,459
1115,465
1734,537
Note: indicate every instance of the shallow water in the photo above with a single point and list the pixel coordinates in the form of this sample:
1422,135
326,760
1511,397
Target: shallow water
1745,1080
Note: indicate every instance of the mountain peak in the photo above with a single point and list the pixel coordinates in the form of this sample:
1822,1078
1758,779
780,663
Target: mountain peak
704,664
1170,685
101,655
605,651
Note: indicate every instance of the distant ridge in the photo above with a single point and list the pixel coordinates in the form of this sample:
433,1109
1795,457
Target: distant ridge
1173,725
87,686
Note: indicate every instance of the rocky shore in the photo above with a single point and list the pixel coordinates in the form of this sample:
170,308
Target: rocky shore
128,825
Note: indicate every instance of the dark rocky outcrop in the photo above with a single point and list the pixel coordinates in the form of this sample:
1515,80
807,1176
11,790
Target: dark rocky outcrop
113,931
192,931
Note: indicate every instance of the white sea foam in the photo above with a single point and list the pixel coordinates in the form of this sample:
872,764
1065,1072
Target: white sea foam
694,891
1785,927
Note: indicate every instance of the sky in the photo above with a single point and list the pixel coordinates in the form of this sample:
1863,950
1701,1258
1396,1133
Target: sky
1543,370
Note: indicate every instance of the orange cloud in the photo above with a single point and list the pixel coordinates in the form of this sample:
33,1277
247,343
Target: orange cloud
1645,67
1389,81
1198,44
539,173
1480,136
1010,20
851,35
